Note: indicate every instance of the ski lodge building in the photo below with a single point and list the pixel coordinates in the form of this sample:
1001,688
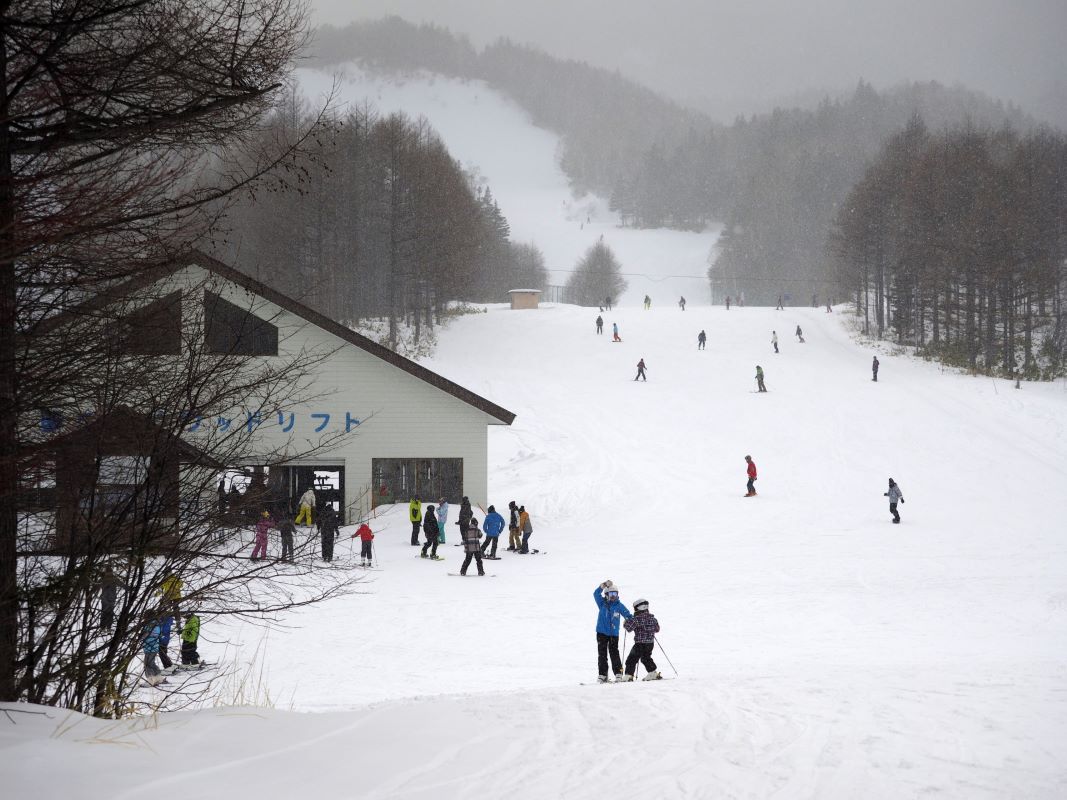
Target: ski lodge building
367,426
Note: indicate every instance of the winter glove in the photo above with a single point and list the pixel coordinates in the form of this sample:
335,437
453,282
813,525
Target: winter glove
902,501
606,584
885,494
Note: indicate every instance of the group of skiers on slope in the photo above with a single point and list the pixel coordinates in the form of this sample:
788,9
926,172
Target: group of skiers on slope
520,529
643,625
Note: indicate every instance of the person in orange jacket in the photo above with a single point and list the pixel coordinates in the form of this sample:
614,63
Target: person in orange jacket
366,537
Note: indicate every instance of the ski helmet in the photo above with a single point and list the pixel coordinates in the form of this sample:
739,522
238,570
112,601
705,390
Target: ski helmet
640,604
612,590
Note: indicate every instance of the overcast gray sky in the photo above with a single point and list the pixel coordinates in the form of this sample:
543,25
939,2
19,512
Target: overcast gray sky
744,56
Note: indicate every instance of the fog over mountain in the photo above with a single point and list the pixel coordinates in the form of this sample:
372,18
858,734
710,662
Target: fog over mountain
728,58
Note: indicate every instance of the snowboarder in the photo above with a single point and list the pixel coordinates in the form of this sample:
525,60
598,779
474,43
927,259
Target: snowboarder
263,524
779,307
307,502
648,302
599,325
366,550
471,535
874,369
644,627
465,514
493,525
895,495
800,335
774,340
751,476
641,371
681,303
415,518
287,530
190,635
527,529
606,597
328,531
829,310
442,518
759,378
727,302
514,533
814,301
432,530
702,339
615,332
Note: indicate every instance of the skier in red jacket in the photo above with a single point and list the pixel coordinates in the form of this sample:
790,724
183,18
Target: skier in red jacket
366,537
751,476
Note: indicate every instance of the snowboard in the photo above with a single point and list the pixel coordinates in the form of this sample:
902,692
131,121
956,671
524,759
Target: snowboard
432,558
492,558
639,680
532,551
475,575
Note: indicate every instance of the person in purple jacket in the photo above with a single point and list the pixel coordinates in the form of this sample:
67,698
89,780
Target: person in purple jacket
644,627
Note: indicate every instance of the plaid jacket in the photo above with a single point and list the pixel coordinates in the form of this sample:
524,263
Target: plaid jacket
644,626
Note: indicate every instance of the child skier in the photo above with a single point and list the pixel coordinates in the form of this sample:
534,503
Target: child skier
432,531
190,635
263,524
366,538
150,646
644,627
895,495
287,529
471,535
493,525
606,597
751,476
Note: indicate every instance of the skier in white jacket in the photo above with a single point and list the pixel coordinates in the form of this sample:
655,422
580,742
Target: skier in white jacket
307,502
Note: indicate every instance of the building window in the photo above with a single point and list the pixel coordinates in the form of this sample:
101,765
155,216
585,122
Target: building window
154,329
118,480
232,330
397,480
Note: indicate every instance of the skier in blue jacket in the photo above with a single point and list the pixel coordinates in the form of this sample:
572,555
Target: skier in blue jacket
491,527
606,596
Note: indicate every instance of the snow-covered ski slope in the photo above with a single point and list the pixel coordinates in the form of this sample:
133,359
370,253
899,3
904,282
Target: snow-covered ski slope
822,652
494,139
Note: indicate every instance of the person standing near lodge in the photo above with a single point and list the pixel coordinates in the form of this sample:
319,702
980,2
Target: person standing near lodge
222,496
442,518
328,531
514,535
471,535
263,524
287,529
415,517
751,476
307,503
599,324
526,526
465,514
432,531
492,526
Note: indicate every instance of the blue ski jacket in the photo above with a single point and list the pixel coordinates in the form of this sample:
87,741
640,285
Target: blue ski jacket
164,630
493,525
607,622
151,639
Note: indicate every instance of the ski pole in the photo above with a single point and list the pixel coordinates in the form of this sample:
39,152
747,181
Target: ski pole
624,634
665,654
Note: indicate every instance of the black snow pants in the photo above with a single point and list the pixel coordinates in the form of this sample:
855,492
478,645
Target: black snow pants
327,543
189,654
287,547
365,551
431,542
641,651
490,542
416,526
893,511
605,646
477,554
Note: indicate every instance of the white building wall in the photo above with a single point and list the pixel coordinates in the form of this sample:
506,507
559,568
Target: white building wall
400,415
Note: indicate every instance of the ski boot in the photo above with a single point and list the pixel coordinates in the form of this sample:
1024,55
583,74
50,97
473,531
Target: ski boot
653,676
624,679
602,679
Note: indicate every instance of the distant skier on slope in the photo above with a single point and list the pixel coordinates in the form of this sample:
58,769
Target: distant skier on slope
648,302
599,325
644,627
751,476
800,335
681,303
641,371
895,495
774,340
874,369
727,302
759,378
606,596
615,332
702,339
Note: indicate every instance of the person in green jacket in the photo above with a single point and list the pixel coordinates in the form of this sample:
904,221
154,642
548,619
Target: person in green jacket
190,636
415,516
759,378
